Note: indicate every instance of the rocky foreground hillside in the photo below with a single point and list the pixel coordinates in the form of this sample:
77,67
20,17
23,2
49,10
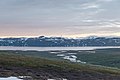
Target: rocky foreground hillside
34,68
43,41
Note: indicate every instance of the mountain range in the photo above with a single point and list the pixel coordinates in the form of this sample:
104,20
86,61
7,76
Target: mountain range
43,41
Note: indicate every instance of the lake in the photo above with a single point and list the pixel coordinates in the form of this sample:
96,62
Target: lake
53,48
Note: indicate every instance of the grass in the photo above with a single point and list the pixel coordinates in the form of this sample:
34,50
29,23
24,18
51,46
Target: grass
105,57
8,58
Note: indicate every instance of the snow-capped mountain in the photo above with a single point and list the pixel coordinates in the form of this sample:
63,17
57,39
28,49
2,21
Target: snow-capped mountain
43,41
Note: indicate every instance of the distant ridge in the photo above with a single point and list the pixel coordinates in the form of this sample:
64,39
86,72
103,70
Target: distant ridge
43,41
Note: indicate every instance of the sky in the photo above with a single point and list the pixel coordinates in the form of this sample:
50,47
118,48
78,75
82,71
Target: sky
67,18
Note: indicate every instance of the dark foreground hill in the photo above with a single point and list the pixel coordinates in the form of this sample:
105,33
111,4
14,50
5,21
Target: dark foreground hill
43,69
60,41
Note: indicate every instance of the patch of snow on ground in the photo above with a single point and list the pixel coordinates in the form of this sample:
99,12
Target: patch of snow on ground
55,52
69,58
81,62
10,78
73,56
72,53
61,55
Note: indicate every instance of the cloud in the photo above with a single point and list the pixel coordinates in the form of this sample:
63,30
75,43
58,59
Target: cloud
70,16
90,6
106,0
88,20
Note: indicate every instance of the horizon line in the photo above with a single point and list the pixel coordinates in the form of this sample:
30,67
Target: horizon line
56,36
